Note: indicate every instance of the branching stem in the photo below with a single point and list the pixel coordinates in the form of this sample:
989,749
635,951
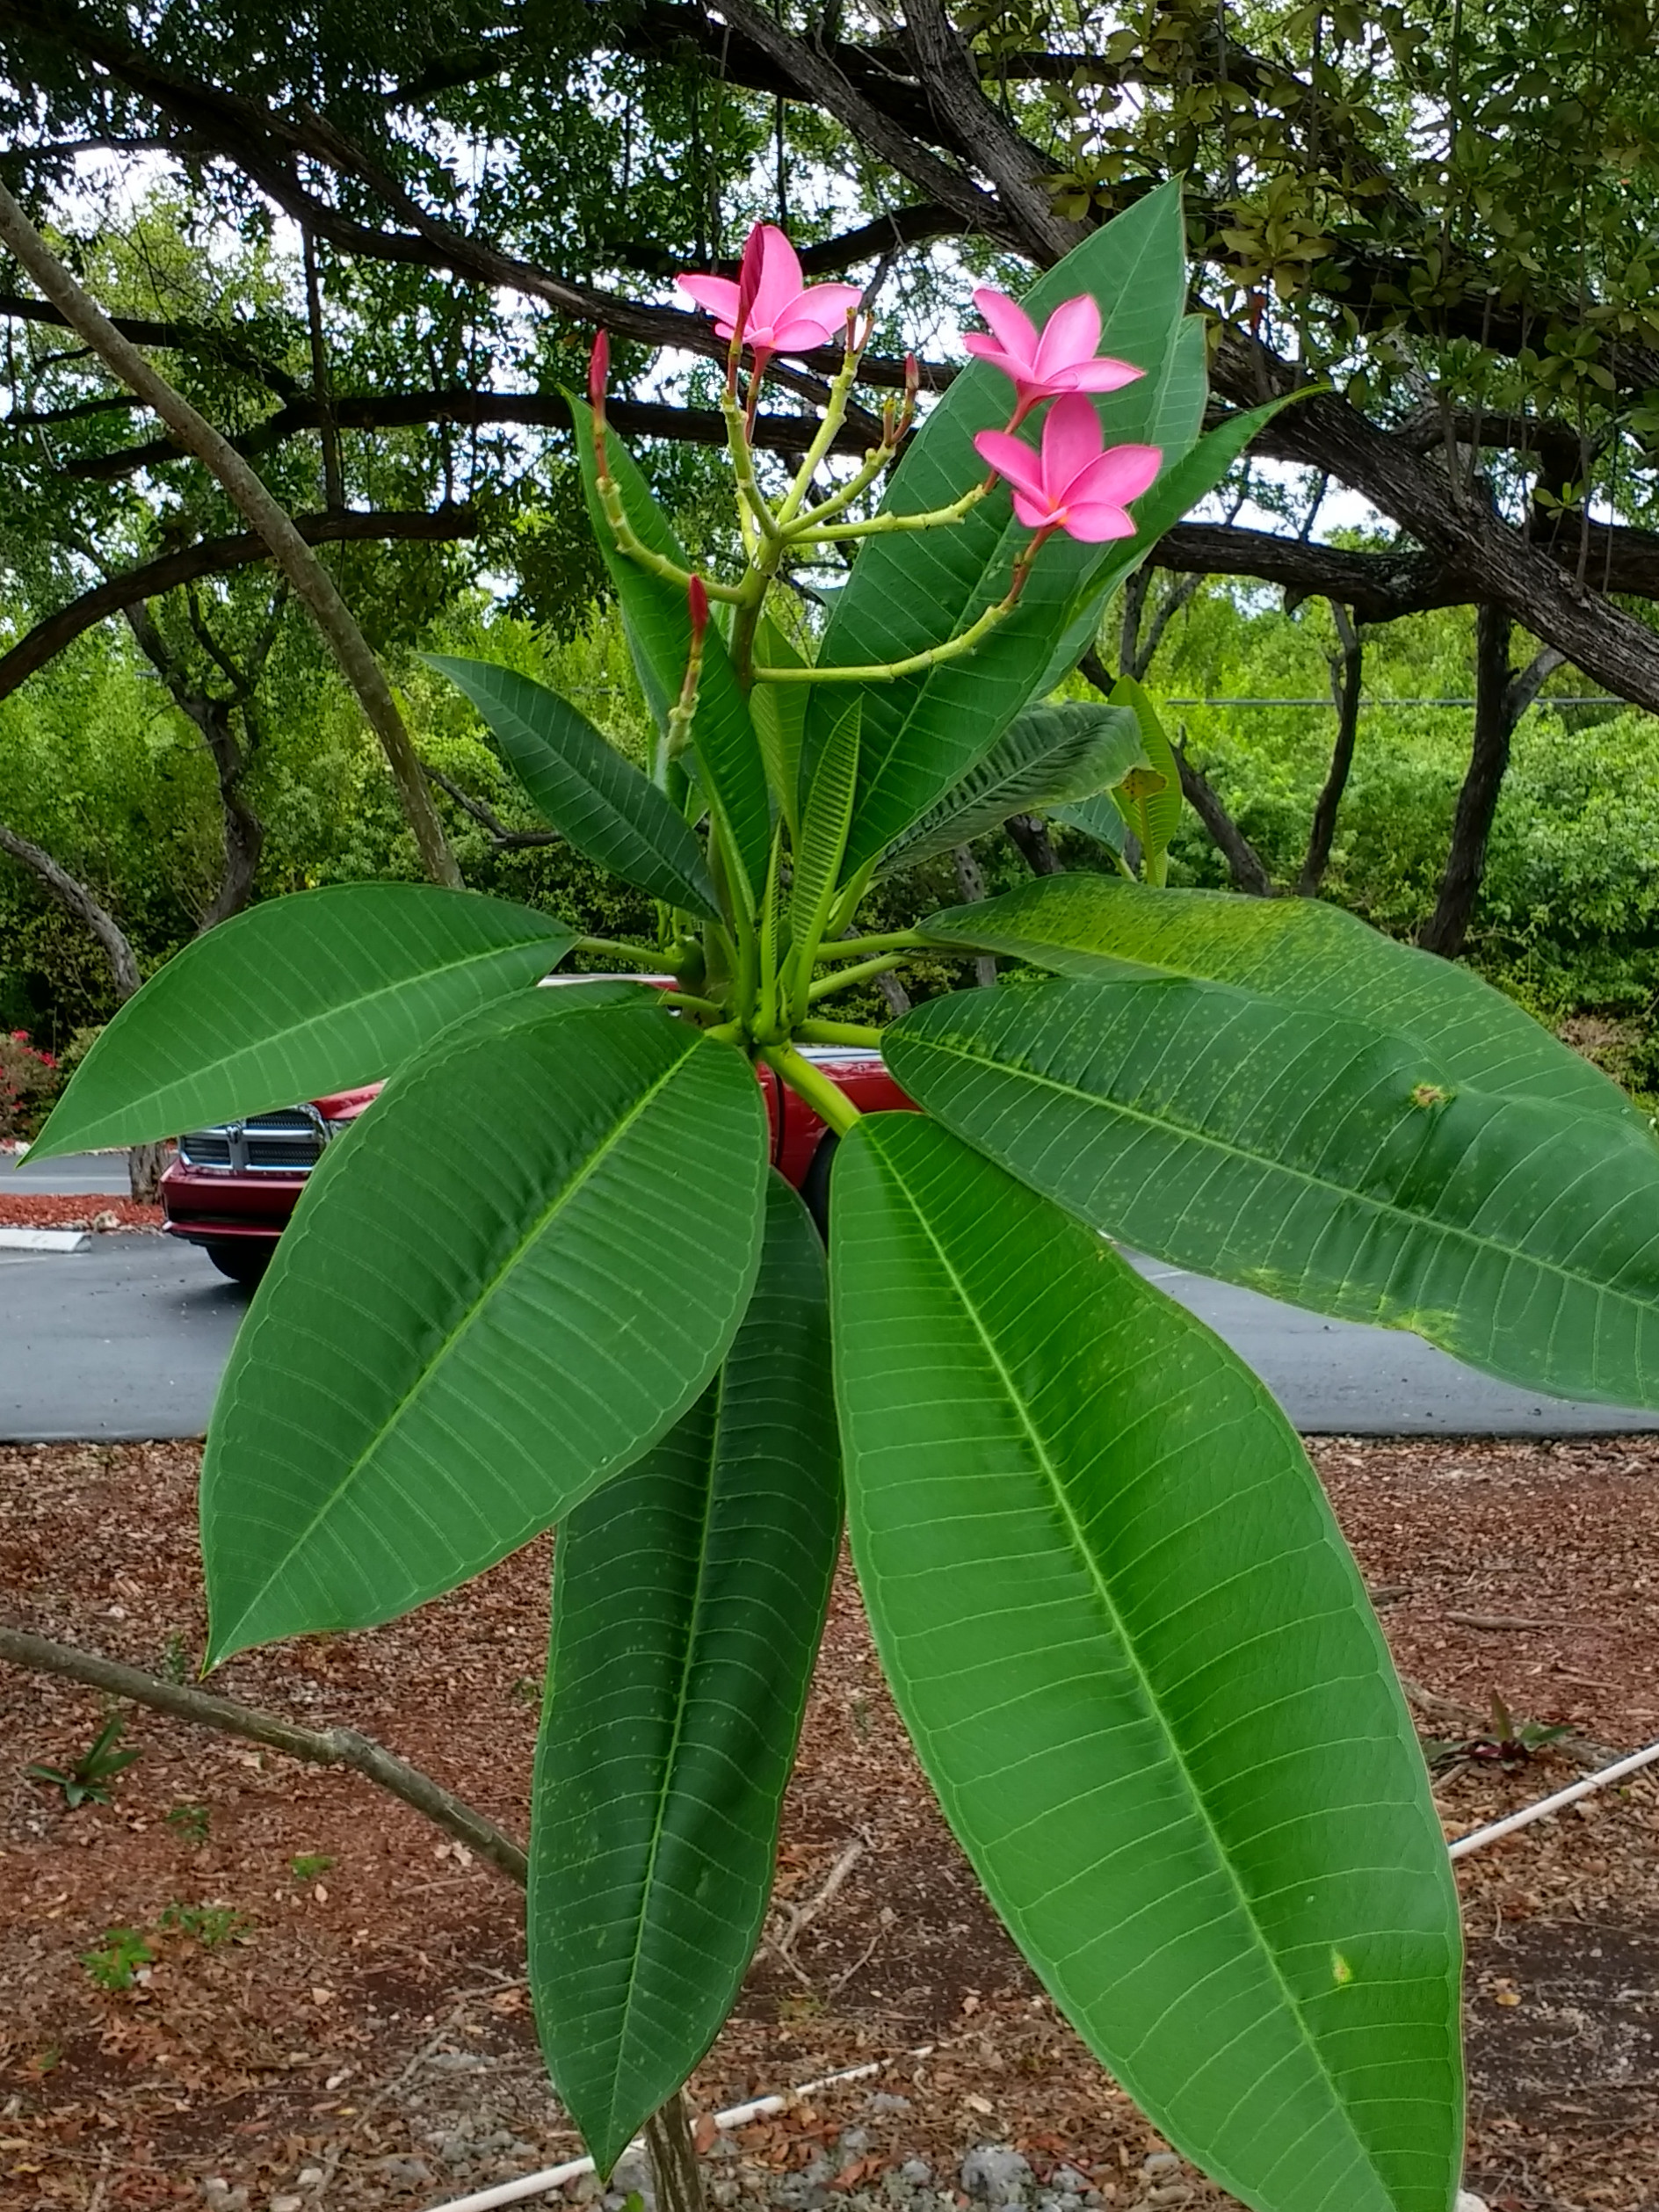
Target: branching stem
830,1104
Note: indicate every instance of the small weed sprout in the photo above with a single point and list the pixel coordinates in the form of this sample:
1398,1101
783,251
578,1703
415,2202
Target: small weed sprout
210,1924
306,1866
117,1960
192,1824
89,1781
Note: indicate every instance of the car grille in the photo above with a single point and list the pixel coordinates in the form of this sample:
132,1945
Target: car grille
287,1142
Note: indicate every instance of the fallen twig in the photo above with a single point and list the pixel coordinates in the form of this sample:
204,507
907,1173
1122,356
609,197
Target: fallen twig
800,1916
1499,1623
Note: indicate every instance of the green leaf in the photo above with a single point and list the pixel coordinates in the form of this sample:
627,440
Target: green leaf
297,997
779,715
1047,755
1150,805
1098,819
909,591
1138,1665
688,1599
659,633
1318,1159
500,1288
584,787
824,829
1299,953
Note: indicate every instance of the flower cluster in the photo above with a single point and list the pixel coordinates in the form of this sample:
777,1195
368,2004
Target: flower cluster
1071,482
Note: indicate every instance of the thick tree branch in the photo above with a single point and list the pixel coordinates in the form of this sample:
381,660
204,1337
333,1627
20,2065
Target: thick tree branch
76,900
208,556
320,1747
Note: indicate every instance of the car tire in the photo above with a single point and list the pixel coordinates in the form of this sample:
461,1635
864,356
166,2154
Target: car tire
815,1184
244,1262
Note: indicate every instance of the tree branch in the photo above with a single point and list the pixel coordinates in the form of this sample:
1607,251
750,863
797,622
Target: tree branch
321,1747
208,556
75,899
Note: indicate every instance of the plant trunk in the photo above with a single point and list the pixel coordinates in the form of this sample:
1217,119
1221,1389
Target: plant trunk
1031,836
305,572
1494,718
1346,670
970,889
673,2156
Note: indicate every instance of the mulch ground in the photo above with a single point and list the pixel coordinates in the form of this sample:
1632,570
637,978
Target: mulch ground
345,2023
81,1209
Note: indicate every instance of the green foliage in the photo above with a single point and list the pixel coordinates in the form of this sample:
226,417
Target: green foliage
1076,1454
191,1823
116,1961
90,1781
306,1866
210,1924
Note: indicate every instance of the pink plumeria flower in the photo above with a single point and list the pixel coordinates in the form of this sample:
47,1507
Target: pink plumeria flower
1061,357
784,316
1072,485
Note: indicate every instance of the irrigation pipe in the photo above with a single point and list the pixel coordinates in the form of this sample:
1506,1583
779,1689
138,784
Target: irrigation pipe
1480,1836
531,2184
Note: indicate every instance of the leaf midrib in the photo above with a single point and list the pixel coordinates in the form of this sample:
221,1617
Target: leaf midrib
566,1193
1103,1588
1384,1209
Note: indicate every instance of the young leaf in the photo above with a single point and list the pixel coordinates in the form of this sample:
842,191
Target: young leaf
499,1289
1046,756
1149,802
1299,953
1317,1159
1138,1665
779,715
584,787
824,831
687,1602
1098,819
299,997
659,633
911,591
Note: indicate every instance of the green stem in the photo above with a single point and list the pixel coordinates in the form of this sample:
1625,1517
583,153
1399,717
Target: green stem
828,1100
682,1002
743,468
640,955
888,522
845,978
872,466
840,1033
898,940
834,415
658,563
952,649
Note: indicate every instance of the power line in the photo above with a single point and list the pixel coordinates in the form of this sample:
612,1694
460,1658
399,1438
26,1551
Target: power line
1586,699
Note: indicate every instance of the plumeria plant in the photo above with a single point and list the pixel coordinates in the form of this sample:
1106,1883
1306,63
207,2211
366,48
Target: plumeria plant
550,1277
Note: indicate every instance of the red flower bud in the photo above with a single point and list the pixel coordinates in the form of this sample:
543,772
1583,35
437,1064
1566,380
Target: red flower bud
912,376
748,279
697,603
599,371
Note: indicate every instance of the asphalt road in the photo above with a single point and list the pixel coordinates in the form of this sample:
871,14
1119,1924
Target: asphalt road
104,1173
128,1339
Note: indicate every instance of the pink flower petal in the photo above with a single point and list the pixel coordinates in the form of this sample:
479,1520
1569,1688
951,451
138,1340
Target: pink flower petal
1121,474
1071,440
815,318
1103,374
1093,521
1012,457
985,348
717,294
1016,333
1035,514
781,283
1072,334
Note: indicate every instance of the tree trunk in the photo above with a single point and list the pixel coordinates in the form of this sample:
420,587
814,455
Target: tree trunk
1346,669
1032,838
970,887
1447,927
673,2156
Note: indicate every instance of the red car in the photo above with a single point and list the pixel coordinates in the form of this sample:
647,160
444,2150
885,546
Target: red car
232,1188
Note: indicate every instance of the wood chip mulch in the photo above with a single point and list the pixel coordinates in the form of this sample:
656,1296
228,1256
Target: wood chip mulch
346,2023
79,1209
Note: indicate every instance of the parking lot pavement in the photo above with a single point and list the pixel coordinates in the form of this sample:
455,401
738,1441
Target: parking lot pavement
128,1336
103,1173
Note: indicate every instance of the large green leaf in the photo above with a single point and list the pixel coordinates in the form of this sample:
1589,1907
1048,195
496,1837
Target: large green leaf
1318,1159
297,997
1296,953
581,785
660,634
1138,1665
499,1289
912,590
779,712
688,1597
1047,755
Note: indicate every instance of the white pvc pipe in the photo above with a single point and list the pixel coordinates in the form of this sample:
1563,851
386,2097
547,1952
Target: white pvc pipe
1479,1839
531,2184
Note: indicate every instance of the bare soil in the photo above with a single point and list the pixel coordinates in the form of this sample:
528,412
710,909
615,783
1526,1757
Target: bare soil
357,2036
